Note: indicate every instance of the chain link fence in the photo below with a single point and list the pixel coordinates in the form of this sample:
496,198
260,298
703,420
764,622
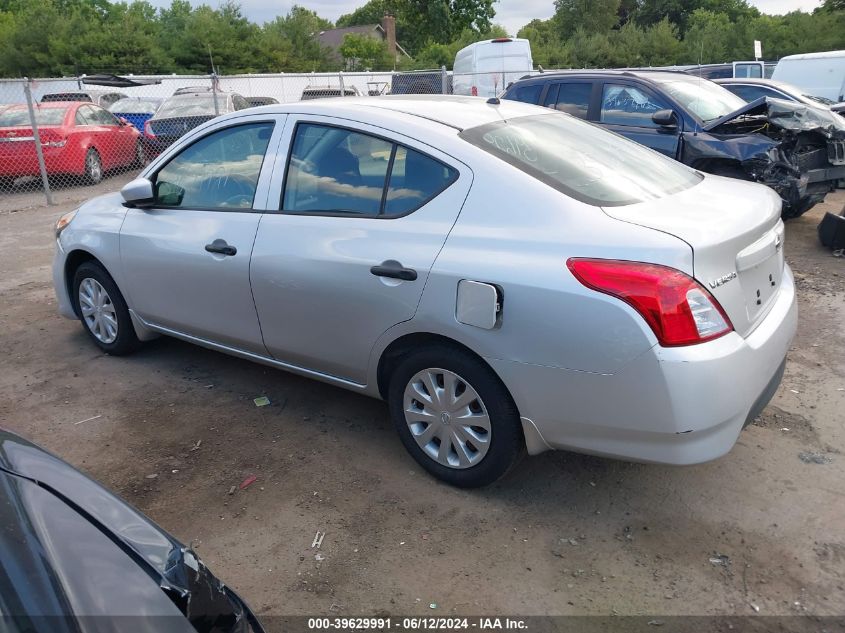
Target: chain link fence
60,134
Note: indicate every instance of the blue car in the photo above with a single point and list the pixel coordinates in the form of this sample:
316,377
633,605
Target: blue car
796,149
136,110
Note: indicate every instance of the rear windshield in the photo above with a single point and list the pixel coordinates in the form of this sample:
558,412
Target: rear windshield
134,106
67,96
193,105
581,160
19,117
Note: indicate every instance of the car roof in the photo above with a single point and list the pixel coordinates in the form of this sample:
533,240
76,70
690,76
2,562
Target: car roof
54,104
823,55
648,75
458,112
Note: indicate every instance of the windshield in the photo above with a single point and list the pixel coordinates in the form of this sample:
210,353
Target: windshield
191,105
582,160
19,117
708,101
134,106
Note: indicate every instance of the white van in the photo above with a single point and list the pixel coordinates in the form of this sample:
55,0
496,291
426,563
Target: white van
817,74
486,68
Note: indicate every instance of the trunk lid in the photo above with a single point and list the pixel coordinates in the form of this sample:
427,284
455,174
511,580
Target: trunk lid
736,235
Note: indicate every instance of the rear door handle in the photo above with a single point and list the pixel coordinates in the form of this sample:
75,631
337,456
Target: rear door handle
393,269
221,247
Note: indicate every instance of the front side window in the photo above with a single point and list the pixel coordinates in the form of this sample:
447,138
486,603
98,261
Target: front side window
628,105
219,171
582,160
574,99
335,170
529,93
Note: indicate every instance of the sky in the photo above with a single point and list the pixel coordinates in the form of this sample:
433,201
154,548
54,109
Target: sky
512,14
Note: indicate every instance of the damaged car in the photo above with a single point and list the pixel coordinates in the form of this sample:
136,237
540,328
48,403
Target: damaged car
77,558
796,149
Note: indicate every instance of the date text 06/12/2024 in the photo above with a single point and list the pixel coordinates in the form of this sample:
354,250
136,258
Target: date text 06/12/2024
415,624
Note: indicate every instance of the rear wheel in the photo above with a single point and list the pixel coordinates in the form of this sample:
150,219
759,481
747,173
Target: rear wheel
102,310
140,155
93,167
455,416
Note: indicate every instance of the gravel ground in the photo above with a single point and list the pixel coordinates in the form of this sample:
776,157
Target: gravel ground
564,534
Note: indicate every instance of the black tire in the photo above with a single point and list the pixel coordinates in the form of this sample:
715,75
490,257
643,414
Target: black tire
125,341
93,167
507,444
140,155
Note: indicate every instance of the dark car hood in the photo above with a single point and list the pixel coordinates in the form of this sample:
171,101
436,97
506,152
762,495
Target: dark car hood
787,115
41,495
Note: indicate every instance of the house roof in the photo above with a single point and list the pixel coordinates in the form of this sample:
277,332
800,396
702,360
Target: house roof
333,38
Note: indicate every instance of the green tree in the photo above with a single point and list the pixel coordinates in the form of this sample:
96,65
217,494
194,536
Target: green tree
290,41
589,16
362,52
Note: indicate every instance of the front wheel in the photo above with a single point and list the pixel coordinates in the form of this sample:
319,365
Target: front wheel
455,416
102,310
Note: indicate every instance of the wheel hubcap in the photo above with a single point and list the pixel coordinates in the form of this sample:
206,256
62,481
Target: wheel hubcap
447,418
94,167
98,310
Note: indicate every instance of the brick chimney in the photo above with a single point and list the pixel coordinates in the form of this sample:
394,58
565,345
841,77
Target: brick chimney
388,23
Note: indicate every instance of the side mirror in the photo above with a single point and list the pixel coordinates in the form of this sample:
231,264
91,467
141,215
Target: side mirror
664,118
138,193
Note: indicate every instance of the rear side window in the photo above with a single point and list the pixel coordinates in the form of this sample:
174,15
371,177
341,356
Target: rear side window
582,160
629,105
574,99
529,93
335,170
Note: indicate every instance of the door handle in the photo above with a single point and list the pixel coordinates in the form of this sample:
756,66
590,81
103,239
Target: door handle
393,269
221,247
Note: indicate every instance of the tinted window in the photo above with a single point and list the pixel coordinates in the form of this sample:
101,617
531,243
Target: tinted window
529,93
19,117
239,102
335,170
581,160
219,171
66,96
628,105
551,96
414,180
574,98
748,70
750,93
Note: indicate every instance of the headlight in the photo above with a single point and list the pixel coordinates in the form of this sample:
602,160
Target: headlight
66,219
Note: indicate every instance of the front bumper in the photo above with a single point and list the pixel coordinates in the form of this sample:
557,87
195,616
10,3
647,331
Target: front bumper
63,301
681,405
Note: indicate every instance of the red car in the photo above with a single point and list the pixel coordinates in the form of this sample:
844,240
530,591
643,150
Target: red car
77,139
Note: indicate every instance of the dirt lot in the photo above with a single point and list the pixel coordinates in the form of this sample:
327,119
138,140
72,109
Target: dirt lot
564,534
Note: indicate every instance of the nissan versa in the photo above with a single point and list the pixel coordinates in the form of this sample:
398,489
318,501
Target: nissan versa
506,277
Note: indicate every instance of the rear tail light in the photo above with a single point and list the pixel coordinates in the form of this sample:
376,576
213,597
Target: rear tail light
474,91
148,130
678,309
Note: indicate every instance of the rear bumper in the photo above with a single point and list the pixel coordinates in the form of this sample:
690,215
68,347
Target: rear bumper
57,160
670,405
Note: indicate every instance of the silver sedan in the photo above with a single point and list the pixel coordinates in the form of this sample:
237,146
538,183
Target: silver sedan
508,278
